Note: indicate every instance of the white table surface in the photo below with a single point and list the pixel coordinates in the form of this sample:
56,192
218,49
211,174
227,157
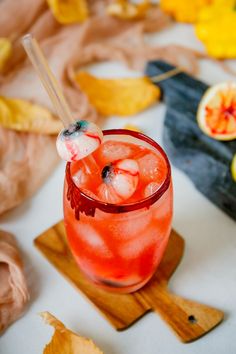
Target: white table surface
207,272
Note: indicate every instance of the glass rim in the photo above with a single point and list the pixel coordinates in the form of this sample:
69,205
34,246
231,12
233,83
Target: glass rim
120,208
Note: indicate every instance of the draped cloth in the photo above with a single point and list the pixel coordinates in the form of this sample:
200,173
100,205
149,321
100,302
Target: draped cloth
13,289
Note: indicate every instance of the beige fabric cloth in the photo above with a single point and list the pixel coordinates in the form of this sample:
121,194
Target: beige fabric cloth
26,160
13,289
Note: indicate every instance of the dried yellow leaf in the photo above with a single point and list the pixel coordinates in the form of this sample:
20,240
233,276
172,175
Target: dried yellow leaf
25,116
133,127
65,341
69,11
118,96
5,52
128,11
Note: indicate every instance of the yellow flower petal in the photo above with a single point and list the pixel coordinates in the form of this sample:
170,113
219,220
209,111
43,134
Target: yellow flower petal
118,96
183,10
65,341
216,29
5,51
128,11
24,116
69,11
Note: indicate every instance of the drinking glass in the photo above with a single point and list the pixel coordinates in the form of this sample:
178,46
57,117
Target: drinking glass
119,247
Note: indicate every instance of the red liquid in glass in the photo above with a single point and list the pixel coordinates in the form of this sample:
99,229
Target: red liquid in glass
120,251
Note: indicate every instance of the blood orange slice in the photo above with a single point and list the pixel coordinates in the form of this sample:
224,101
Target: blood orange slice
216,114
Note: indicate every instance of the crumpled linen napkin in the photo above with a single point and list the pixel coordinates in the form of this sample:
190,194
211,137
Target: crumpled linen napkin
13,289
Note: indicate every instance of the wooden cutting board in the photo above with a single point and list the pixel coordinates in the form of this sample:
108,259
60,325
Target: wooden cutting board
188,319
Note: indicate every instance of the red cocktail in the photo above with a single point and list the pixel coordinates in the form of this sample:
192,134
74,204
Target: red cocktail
118,244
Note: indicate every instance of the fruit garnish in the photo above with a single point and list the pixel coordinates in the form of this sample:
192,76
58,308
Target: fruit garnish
233,168
216,115
65,341
118,96
78,140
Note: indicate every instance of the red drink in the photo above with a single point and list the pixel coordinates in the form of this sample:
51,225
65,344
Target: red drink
119,246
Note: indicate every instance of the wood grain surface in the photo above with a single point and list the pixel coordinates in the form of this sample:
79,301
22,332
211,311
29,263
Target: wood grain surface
188,319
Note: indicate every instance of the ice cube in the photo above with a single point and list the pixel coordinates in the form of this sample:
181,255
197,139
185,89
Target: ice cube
124,186
120,181
90,166
135,247
107,194
152,168
126,227
85,172
125,178
80,178
151,188
111,151
93,240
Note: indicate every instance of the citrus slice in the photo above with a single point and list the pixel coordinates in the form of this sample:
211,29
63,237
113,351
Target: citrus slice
233,168
216,113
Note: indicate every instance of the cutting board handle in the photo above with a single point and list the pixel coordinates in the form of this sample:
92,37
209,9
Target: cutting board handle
188,319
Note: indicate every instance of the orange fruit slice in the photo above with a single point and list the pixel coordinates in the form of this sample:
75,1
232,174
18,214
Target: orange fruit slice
216,113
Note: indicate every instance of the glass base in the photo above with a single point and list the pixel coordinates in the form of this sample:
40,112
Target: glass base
117,287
